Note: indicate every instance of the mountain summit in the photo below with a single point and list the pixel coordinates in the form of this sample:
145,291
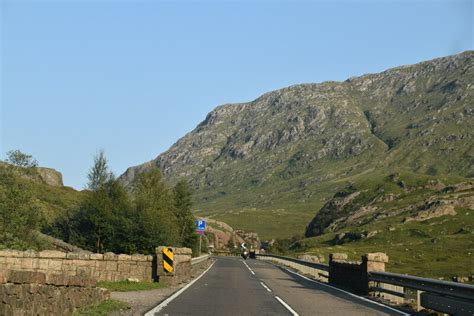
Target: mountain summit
294,144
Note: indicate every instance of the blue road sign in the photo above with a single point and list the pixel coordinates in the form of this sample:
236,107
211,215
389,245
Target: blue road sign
200,224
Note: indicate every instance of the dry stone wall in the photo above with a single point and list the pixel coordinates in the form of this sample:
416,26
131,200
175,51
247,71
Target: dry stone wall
36,293
101,267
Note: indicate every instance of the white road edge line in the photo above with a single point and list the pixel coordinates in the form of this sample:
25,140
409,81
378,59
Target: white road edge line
350,294
265,286
175,295
287,306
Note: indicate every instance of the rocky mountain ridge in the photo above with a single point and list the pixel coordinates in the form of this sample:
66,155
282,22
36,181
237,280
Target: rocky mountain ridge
291,144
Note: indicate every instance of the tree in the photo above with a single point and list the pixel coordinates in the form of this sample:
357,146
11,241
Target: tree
99,174
183,204
155,212
103,222
20,159
19,214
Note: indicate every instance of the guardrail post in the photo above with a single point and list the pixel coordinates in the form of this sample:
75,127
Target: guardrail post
373,262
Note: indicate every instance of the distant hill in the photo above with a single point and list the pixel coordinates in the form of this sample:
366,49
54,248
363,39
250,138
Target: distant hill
269,165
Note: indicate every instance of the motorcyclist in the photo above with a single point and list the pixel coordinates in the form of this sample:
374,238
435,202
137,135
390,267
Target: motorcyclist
245,251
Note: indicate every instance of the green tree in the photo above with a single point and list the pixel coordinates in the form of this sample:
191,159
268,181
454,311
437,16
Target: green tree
183,205
103,222
155,212
99,174
20,159
19,213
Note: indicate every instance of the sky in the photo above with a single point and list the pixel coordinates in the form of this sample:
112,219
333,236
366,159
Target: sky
132,77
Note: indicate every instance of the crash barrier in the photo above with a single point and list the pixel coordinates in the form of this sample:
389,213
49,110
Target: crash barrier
442,296
318,271
225,253
198,260
368,277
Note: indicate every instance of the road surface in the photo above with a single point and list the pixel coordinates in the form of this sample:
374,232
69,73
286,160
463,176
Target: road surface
252,287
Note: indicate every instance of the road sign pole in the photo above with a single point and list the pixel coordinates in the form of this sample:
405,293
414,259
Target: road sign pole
200,236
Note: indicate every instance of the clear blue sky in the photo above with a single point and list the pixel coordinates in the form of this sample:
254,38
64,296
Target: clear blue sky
132,77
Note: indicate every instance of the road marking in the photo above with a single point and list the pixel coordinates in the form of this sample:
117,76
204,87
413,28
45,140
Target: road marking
266,287
349,293
175,295
287,306
245,263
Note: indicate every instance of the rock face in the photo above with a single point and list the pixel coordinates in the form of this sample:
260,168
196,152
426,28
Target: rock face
418,117
51,176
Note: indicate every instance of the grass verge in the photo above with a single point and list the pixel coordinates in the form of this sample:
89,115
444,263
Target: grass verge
104,308
126,286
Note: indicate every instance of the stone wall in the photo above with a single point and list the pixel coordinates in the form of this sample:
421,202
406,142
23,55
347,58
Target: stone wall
353,276
101,267
36,293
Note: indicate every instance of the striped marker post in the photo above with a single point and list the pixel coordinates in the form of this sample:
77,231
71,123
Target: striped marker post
168,260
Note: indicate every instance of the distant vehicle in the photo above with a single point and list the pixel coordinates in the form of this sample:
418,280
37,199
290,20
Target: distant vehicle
245,251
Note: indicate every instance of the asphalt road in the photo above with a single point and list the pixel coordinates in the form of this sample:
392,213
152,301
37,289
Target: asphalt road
252,287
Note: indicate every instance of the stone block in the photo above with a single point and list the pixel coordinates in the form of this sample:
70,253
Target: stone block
337,256
182,258
111,266
57,279
22,277
149,258
68,265
30,254
52,254
78,255
376,257
182,251
27,264
138,257
55,265
43,264
110,256
3,278
123,257
97,256
100,265
11,253
123,267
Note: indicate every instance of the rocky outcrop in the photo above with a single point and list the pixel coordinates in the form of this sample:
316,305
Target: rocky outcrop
50,176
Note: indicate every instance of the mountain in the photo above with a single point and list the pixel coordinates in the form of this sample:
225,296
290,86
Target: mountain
270,164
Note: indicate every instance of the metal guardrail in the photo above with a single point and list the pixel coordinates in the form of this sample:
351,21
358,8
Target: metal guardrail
223,253
443,296
199,259
314,265
453,289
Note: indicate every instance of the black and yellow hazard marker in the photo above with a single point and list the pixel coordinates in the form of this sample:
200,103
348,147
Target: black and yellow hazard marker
168,260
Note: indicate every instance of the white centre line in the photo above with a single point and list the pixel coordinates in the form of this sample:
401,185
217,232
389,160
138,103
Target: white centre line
245,263
292,311
265,286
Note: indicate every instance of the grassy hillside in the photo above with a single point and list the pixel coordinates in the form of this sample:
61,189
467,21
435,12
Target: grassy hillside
269,165
419,221
28,204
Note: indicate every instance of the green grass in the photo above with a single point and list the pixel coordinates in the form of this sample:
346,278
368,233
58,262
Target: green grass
104,308
440,247
126,286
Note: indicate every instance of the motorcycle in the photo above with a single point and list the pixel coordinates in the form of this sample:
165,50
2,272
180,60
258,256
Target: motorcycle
245,254
245,251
